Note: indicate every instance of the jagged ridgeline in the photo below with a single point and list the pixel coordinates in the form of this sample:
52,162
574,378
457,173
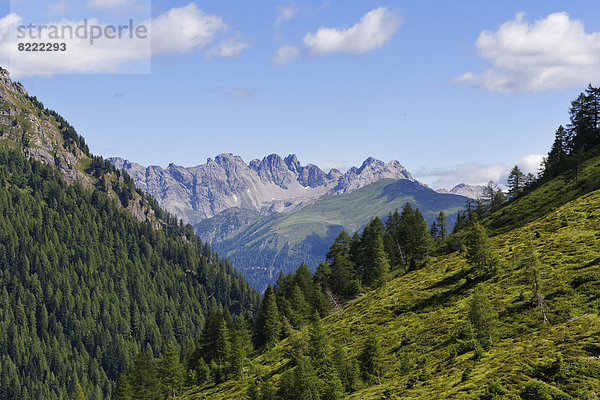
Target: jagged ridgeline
92,272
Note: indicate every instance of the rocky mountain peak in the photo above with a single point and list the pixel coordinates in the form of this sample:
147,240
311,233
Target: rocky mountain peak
371,162
292,162
267,185
471,191
227,160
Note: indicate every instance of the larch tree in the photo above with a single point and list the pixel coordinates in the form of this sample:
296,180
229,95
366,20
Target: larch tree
480,251
516,181
483,318
171,372
442,225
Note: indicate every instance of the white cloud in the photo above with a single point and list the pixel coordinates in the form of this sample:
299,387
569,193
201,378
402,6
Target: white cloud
184,29
58,7
230,47
373,31
469,173
551,53
476,173
328,165
530,163
285,13
178,31
286,54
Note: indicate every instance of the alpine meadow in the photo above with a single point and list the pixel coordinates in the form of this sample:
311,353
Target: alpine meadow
439,240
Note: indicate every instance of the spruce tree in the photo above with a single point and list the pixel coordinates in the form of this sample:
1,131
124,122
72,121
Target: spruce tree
555,162
433,231
123,391
414,239
342,268
144,378
78,393
380,265
318,344
268,322
371,360
516,181
202,372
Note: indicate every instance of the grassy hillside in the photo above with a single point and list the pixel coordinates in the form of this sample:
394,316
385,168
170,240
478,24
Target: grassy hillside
278,242
420,318
549,196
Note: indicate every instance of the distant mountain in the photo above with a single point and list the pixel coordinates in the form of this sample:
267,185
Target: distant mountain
270,215
268,244
471,191
269,185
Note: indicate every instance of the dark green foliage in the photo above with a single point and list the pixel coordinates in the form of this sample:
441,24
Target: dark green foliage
319,348
202,372
370,248
441,225
408,241
516,181
371,360
267,391
536,390
123,391
268,322
347,368
590,276
480,251
171,372
84,286
78,393
341,266
299,295
378,266
143,378
483,318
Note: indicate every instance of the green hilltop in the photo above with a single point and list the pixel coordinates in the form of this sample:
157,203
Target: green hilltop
280,242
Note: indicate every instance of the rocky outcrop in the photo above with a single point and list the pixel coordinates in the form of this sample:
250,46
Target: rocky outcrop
25,122
273,184
475,192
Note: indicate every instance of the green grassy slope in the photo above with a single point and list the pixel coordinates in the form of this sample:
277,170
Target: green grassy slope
548,197
419,315
282,241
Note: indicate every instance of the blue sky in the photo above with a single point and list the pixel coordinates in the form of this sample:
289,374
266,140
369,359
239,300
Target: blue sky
420,82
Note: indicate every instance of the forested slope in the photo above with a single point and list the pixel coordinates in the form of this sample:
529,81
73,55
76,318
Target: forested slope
92,271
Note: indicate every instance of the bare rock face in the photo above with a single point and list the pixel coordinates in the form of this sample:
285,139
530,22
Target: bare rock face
475,192
25,123
269,185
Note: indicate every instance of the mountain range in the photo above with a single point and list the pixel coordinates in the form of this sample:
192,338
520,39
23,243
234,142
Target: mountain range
270,215
462,189
273,184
